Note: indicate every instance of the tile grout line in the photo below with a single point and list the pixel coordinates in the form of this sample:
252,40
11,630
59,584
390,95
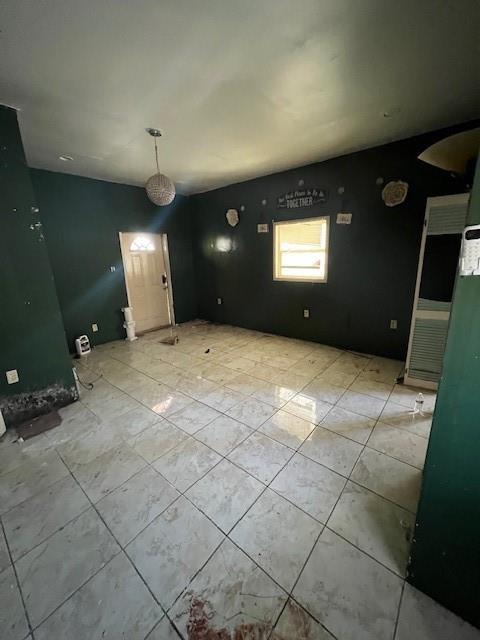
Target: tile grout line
17,579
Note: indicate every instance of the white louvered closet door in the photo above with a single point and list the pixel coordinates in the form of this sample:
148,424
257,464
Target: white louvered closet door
445,216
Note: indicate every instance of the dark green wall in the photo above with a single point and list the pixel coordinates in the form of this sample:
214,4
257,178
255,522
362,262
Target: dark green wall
82,218
32,339
445,560
372,263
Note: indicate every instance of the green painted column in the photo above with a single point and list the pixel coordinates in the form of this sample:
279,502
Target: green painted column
445,555
32,337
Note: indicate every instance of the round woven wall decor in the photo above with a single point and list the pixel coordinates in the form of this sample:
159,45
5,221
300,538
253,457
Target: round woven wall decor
394,193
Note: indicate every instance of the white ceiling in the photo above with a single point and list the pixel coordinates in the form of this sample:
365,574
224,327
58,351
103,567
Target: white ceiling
241,88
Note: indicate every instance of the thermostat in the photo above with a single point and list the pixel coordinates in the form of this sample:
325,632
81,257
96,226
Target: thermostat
470,251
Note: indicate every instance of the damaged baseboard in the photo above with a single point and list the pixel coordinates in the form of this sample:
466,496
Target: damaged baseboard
25,406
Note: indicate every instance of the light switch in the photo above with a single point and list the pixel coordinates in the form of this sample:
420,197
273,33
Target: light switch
94,328
306,313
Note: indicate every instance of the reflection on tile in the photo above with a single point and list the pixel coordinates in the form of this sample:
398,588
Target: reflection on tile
308,408
421,618
320,389
400,444
310,486
225,494
222,399
362,404
30,478
243,383
157,440
132,423
283,554
334,451
274,394
113,604
295,623
13,623
168,555
108,471
129,509
375,526
401,417
223,434
186,463
193,417
171,402
287,429
349,424
389,478
251,412
351,594
34,520
64,562
261,456
230,597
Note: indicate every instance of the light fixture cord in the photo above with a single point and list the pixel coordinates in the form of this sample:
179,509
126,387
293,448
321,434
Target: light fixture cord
156,155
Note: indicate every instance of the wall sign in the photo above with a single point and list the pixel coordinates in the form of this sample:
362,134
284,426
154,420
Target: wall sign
344,218
302,198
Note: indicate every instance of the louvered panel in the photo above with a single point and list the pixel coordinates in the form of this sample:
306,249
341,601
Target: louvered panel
428,347
433,305
446,219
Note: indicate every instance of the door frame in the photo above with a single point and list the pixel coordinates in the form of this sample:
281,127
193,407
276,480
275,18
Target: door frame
166,260
457,198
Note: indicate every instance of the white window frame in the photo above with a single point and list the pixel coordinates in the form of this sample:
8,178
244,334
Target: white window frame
276,254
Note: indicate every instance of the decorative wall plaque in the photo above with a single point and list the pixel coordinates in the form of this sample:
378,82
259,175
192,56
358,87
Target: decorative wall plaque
300,198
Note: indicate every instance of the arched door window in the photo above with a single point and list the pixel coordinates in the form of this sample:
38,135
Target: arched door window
142,243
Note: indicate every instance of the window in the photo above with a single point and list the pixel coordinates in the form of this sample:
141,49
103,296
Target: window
300,250
142,243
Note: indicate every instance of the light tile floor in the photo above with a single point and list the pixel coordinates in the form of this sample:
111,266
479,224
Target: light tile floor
236,485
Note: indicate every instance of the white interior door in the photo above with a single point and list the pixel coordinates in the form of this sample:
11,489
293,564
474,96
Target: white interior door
444,223
146,279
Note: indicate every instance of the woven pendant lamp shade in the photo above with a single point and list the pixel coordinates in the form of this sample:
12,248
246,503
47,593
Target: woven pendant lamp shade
160,189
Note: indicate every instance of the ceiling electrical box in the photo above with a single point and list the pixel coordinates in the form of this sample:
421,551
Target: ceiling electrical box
470,251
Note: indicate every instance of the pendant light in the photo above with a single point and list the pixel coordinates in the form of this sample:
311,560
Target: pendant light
160,189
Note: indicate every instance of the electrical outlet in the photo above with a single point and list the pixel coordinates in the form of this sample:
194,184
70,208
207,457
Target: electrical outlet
219,300
12,376
306,313
94,328
393,324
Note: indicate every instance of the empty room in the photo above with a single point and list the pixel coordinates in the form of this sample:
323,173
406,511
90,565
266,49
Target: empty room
239,320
